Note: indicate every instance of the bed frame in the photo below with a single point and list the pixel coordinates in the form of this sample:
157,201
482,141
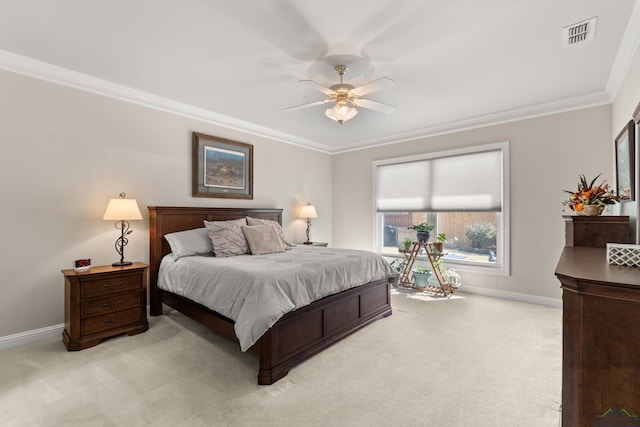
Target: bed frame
298,335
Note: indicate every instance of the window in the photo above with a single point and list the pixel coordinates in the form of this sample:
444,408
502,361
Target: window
462,193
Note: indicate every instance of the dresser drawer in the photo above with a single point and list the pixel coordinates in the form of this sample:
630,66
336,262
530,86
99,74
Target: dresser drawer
111,304
110,321
98,287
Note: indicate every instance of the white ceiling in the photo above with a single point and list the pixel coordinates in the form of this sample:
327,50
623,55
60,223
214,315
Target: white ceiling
456,63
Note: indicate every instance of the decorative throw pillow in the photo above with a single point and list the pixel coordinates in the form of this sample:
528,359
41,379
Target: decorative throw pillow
277,228
190,243
227,237
262,239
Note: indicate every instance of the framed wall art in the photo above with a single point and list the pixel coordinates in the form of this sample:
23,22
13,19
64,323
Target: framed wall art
221,168
625,163
636,118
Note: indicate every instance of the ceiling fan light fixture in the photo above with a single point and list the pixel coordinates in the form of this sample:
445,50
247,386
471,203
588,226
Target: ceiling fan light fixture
346,97
341,113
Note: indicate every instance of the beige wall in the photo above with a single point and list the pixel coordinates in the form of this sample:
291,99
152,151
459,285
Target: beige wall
624,104
547,154
66,152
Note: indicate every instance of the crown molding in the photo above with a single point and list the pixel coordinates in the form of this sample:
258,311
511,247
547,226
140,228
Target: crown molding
556,107
628,48
44,71
19,64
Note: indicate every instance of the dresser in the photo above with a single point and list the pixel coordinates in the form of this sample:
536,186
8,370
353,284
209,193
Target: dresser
600,327
103,302
600,337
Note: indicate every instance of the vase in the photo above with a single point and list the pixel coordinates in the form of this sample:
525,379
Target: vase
452,278
423,236
590,210
421,279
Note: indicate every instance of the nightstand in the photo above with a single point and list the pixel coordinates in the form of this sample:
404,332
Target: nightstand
324,244
102,302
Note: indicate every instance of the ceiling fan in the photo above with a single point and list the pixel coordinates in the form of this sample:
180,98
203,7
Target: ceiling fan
347,97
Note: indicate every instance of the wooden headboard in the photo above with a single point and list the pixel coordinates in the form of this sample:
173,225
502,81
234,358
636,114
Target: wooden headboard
164,220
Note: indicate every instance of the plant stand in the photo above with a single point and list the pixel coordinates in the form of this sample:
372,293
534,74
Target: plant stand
433,255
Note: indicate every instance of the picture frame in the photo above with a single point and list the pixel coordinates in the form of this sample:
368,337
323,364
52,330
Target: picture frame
636,118
625,163
221,167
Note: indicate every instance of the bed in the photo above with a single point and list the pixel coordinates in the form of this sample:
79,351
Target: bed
297,335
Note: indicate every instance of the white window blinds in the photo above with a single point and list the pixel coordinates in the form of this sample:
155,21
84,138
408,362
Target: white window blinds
454,183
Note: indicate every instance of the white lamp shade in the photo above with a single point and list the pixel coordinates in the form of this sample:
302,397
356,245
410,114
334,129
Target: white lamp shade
122,209
341,113
308,211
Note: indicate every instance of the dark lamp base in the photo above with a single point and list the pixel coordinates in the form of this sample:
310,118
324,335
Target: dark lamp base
121,263
308,243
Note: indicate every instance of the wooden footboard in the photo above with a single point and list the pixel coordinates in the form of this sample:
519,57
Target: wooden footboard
302,333
294,338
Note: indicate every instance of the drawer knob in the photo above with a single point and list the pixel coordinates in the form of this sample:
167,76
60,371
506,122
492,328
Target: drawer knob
114,305
113,286
116,320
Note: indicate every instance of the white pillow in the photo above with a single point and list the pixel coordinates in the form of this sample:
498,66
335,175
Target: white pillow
262,239
277,228
190,243
227,237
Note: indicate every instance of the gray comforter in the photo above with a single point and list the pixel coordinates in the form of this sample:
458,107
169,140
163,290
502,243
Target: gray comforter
256,291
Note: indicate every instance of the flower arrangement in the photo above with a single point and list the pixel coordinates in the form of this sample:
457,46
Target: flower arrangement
590,194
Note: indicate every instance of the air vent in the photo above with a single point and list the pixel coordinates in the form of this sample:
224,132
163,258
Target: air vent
579,33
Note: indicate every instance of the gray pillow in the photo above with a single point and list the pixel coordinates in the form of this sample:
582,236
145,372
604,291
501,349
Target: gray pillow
227,237
262,239
190,243
277,228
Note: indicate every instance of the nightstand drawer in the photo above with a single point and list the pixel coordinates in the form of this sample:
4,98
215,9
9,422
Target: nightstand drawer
107,286
110,321
112,304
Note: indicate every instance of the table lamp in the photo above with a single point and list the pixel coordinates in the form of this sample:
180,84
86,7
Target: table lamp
122,211
307,212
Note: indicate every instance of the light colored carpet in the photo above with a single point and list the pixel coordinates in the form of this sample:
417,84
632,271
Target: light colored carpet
475,361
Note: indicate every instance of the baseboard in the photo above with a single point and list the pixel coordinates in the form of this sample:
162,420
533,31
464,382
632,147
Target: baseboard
29,337
515,296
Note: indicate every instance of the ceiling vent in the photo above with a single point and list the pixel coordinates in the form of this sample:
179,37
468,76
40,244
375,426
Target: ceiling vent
579,33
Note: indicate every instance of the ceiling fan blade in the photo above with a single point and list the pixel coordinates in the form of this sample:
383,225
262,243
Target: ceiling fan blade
308,104
374,105
378,84
317,86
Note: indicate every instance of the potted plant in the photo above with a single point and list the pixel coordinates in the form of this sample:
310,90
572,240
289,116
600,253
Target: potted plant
405,245
421,277
590,199
441,240
423,231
